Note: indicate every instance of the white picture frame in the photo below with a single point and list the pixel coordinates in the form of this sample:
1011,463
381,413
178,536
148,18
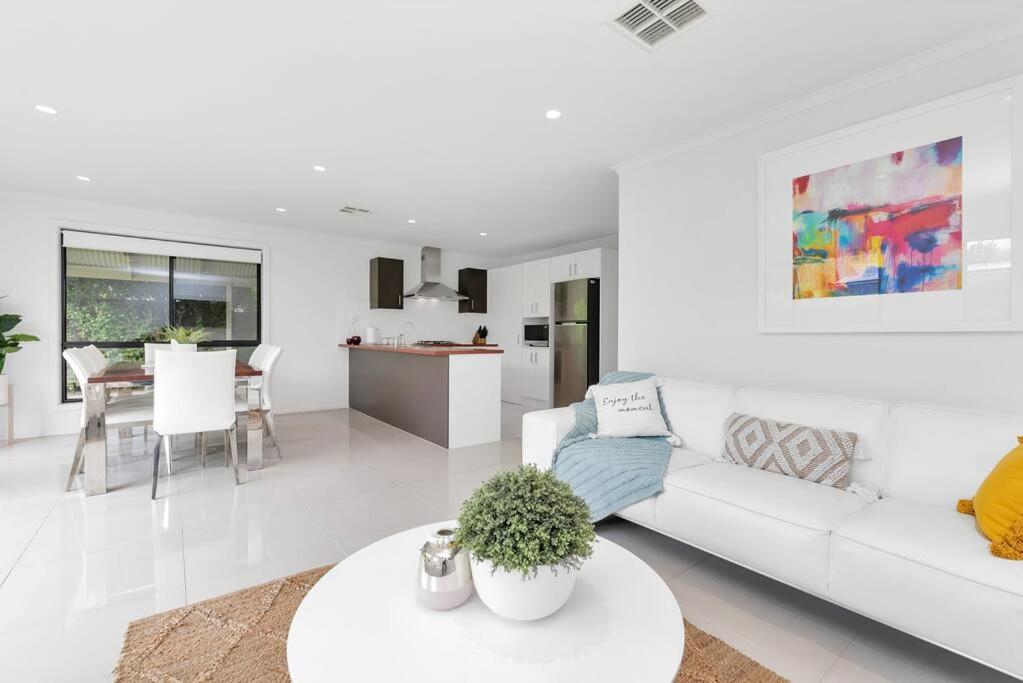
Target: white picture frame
991,298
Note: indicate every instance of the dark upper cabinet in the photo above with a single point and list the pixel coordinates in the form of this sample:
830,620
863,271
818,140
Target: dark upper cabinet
472,282
386,283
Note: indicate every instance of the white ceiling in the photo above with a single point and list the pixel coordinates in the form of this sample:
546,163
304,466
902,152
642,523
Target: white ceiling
425,109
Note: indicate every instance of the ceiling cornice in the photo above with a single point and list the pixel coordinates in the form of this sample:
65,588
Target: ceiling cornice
889,72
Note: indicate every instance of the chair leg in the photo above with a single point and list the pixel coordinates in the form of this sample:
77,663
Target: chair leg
169,447
76,462
231,441
271,428
156,464
202,448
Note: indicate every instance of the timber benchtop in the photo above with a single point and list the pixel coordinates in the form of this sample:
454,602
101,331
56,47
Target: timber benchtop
456,350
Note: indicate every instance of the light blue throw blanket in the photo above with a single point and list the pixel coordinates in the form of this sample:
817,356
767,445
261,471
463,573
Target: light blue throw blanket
611,473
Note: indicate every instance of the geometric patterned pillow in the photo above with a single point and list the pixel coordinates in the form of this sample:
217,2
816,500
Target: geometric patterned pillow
817,455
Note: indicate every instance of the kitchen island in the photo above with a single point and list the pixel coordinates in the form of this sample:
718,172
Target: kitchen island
450,395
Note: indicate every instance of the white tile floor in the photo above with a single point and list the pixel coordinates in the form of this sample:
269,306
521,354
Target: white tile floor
75,571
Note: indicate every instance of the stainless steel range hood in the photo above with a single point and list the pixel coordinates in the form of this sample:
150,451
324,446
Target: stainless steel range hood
430,287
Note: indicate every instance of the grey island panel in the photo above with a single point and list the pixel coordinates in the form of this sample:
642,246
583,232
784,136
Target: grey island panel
408,391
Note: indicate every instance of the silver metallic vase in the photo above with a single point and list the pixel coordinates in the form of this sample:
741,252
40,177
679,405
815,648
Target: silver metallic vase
445,579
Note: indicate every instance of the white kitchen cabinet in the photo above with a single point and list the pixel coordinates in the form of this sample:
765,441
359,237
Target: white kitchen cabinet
587,263
504,322
536,373
536,289
581,264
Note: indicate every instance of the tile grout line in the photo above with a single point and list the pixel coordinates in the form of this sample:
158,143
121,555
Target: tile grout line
852,639
838,658
35,533
308,508
184,563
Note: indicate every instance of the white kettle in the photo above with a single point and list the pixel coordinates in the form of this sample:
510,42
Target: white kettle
372,334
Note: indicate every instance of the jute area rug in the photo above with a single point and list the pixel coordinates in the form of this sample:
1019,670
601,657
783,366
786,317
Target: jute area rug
243,637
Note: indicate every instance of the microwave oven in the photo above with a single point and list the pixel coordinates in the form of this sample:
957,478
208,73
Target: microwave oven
536,335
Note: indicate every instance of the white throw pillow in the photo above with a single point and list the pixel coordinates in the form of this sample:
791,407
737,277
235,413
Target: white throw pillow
629,409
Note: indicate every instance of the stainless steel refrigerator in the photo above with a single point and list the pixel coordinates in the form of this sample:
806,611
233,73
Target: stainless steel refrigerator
576,339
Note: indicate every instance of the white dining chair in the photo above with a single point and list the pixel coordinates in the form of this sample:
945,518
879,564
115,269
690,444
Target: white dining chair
193,394
95,358
258,354
177,346
150,352
124,413
264,358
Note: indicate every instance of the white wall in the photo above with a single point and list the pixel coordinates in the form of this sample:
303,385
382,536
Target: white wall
688,257
313,285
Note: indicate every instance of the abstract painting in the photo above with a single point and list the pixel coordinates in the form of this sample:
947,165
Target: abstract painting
888,225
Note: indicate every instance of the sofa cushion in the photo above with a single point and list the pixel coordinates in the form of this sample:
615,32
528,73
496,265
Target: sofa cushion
786,499
865,418
815,454
681,458
777,525
696,413
939,456
998,505
925,569
628,409
934,536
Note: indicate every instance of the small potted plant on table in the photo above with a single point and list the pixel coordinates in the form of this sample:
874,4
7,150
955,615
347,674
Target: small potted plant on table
527,535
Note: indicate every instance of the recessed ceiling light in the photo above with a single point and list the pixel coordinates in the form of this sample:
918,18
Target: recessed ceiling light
83,178
553,114
412,220
319,168
281,209
483,234
46,110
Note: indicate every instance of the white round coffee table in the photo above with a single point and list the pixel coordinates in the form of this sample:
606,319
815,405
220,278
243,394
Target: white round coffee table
361,622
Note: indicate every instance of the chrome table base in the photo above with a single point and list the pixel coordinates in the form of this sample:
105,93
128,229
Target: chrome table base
95,447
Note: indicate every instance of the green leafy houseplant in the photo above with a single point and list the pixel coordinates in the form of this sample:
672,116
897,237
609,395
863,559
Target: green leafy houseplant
525,519
11,343
183,335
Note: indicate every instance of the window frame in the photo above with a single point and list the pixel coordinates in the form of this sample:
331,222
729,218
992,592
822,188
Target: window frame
171,318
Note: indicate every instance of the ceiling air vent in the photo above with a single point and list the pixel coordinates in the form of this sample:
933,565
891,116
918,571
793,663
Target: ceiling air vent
634,18
652,21
655,32
685,13
354,210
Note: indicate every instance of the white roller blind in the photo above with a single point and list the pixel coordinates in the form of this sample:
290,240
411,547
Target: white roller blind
142,245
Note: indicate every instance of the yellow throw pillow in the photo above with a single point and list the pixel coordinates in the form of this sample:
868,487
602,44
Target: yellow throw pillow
998,505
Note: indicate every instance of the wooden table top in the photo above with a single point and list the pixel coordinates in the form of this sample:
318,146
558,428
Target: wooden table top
455,350
130,371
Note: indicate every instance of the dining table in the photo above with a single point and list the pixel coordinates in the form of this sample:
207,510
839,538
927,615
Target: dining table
127,373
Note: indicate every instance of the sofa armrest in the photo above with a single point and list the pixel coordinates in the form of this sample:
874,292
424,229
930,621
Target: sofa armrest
542,431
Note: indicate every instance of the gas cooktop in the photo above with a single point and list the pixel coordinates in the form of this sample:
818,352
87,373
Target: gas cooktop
434,342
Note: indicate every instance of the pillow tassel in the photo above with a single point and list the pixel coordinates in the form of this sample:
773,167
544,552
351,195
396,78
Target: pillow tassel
965,506
1011,545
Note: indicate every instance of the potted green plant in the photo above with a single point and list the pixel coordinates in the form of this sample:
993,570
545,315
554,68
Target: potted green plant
9,343
527,535
183,335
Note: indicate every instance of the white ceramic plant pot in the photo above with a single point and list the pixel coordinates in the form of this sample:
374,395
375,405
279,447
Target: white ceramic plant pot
3,390
511,596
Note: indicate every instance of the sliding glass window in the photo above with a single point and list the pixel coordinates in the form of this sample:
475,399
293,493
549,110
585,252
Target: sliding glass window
119,300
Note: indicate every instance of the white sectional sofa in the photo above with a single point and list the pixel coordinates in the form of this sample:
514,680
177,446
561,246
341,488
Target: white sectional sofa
907,559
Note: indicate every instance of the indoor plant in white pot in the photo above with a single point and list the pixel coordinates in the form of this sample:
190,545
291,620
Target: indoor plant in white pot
527,535
9,343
